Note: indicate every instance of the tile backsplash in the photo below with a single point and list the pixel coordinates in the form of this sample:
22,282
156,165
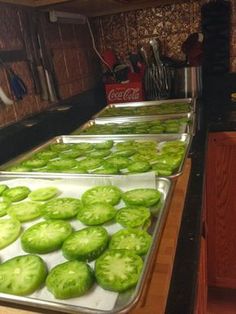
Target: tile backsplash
171,24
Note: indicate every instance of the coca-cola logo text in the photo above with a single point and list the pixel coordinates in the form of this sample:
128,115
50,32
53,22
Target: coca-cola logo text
128,94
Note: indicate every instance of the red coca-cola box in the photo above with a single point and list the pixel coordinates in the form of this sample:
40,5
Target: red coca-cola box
124,92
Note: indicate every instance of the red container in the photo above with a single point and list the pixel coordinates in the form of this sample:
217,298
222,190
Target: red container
126,92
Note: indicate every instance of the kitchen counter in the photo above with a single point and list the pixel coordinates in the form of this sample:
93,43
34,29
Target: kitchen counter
167,291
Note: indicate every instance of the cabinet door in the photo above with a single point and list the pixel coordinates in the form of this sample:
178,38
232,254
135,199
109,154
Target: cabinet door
221,209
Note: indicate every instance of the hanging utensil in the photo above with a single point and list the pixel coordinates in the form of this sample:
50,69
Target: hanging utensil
17,85
4,98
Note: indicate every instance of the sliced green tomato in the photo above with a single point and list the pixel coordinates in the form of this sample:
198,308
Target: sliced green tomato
124,153
99,153
46,155
22,275
9,231
3,187
43,194
139,166
133,217
86,244
62,164
24,211
77,169
104,145
70,280
17,193
96,214
106,170
90,163
162,169
18,168
61,208
142,197
135,240
46,236
125,145
118,270
73,154
35,163
117,161
82,146
4,204
102,194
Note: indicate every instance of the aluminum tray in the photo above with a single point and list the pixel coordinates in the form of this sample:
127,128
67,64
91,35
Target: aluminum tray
71,139
190,101
121,303
188,128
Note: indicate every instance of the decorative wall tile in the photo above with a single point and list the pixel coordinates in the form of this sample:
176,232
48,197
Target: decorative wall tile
65,91
24,108
60,66
10,33
171,24
72,63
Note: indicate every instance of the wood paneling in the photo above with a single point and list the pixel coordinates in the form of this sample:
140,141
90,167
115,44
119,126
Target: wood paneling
154,295
221,209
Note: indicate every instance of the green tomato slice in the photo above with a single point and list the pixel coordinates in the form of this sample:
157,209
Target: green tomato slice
133,217
35,163
102,194
17,193
118,270
125,152
142,197
62,164
135,240
61,208
25,211
70,280
162,169
99,153
71,154
43,194
104,145
9,231
83,146
45,237
86,244
106,169
96,214
4,204
139,166
90,163
117,161
18,168
3,187
46,155
22,275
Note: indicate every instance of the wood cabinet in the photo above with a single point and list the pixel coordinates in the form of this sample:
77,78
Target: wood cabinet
221,209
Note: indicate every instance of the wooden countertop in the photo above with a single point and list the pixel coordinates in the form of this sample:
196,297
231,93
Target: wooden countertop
155,293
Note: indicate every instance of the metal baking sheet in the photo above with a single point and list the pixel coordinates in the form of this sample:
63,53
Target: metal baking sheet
190,101
73,139
187,128
97,300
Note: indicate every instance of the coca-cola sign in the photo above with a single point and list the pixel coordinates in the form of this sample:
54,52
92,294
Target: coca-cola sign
124,92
